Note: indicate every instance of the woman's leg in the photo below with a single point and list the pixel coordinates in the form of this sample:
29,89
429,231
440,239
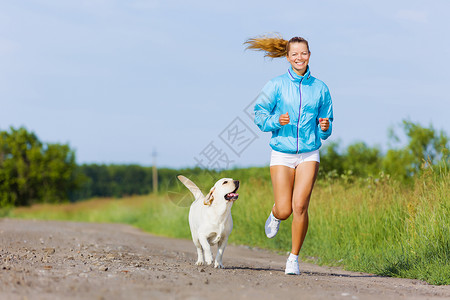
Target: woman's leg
282,183
305,176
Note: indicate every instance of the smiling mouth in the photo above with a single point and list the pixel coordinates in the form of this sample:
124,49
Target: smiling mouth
233,195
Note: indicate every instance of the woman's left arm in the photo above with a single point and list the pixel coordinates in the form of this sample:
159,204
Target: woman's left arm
326,111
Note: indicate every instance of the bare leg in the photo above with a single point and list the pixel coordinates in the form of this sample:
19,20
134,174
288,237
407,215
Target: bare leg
305,177
282,183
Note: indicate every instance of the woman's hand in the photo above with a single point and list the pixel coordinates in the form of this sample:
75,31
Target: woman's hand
284,119
324,124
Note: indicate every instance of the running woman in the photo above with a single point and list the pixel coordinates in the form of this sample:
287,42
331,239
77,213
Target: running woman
296,107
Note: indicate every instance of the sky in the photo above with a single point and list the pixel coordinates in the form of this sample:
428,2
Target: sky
138,82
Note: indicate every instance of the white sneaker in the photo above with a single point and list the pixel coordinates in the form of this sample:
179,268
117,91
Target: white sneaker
292,267
272,226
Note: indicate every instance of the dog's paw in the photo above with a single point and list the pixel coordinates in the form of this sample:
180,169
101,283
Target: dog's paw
218,265
209,261
200,263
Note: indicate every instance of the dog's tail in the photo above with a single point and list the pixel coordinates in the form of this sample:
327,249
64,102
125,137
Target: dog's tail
192,187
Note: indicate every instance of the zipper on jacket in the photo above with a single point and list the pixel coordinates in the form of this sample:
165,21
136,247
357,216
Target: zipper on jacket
299,110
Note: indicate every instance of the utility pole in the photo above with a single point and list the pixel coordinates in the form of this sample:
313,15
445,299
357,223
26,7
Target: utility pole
155,173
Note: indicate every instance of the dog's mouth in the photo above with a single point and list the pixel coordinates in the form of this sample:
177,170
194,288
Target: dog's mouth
233,195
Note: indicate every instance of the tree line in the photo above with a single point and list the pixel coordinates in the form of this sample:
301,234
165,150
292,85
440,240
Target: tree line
35,172
421,147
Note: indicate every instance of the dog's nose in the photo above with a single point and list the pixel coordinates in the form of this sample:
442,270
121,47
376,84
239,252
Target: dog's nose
236,183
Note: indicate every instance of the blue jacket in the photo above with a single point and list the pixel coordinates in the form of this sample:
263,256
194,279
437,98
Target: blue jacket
306,99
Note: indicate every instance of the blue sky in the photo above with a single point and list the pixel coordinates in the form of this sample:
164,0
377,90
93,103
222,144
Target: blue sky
117,80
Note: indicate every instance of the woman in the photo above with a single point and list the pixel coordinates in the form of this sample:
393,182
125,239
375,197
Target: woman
297,109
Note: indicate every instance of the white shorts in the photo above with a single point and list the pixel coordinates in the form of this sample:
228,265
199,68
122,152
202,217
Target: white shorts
293,160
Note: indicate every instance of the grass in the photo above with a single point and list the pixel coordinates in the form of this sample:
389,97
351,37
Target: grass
377,225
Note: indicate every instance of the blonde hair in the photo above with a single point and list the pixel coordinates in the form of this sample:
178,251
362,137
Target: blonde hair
274,46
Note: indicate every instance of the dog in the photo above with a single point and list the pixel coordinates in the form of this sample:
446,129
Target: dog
210,218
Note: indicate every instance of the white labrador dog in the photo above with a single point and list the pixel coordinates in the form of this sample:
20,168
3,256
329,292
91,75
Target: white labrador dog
210,218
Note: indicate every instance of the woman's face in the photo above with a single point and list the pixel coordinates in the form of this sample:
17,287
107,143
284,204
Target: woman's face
298,57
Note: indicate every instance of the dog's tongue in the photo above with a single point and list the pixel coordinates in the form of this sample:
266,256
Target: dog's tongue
233,196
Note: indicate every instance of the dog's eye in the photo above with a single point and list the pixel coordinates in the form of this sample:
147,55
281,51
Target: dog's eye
225,182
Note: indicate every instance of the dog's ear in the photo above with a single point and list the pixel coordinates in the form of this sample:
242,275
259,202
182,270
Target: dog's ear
210,197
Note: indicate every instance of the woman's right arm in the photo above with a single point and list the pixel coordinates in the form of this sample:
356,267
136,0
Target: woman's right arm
265,117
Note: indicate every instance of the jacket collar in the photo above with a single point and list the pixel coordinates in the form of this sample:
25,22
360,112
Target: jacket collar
297,78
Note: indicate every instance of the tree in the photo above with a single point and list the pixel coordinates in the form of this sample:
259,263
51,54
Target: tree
362,160
33,172
57,170
20,150
331,160
425,147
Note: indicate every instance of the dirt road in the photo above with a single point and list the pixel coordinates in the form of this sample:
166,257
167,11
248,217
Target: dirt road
63,260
